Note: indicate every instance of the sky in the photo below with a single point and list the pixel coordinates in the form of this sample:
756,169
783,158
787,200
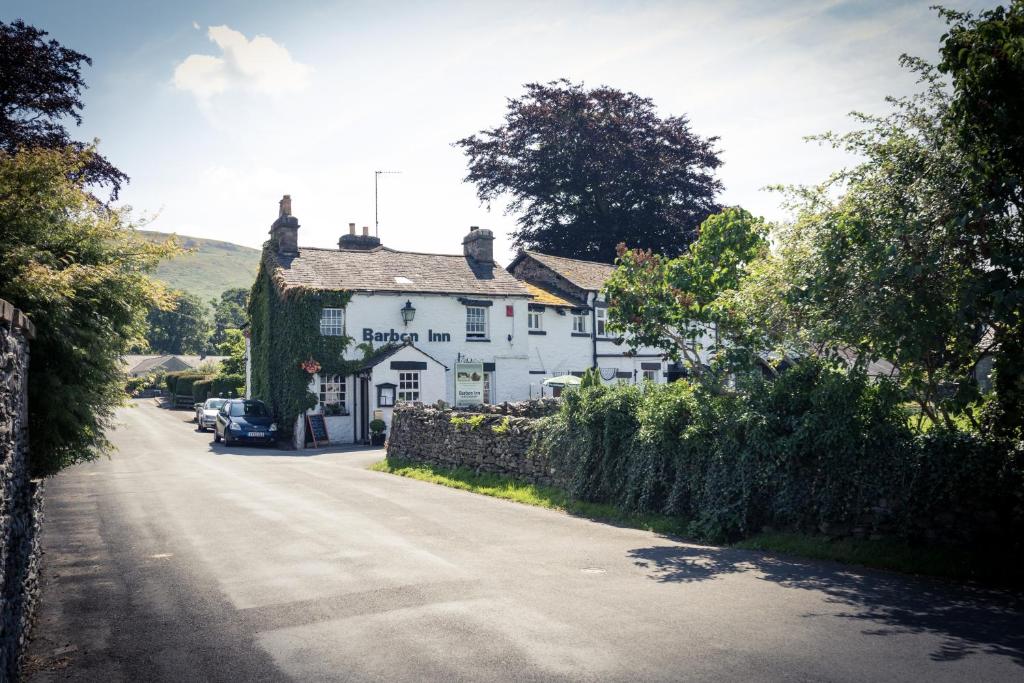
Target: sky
217,109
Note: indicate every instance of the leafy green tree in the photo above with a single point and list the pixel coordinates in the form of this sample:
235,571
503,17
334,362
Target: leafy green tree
181,327
228,313
677,303
233,347
81,273
983,56
587,169
40,91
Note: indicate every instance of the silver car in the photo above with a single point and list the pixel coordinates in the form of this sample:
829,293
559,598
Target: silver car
206,413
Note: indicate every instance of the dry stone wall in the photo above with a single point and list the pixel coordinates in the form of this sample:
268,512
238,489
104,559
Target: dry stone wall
20,496
497,441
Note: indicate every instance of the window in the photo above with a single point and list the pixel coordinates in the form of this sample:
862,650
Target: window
332,394
650,375
534,320
385,395
408,386
488,387
579,322
476,322
602,321
332,322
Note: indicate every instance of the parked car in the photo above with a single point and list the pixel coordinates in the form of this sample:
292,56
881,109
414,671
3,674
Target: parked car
244,421
206,413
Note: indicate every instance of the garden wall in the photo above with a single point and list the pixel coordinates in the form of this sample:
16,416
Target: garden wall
20,496
497,442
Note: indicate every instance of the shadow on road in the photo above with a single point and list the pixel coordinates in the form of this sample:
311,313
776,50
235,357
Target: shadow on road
970,619
247,450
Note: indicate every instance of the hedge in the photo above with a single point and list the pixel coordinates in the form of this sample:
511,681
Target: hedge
817,450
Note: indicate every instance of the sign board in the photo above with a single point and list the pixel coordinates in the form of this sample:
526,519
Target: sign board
469,384
317,429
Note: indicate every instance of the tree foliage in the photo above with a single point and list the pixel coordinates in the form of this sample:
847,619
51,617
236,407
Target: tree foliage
677,303
588,169
228,313
40,89
80,272
182,326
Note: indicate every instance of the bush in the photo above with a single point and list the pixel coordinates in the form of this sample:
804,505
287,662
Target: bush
201,389
229,386
817,450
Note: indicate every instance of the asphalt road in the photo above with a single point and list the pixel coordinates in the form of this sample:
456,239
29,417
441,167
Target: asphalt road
181,560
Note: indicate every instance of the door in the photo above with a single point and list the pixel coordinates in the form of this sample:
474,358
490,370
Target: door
364,401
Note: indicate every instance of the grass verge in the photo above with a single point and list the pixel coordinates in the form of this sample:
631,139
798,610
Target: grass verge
506,488
882,554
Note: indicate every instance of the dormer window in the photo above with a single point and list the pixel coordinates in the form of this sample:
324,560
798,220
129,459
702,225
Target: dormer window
332,322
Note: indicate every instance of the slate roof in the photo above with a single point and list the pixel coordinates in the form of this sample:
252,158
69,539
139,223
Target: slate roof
387,270
589,275
548,298
140,364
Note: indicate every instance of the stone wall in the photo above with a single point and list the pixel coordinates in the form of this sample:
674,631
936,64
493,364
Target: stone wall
20,496
497,442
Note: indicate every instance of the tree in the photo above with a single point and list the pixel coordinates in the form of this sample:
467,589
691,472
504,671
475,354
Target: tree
228,313
984,57
676,303
81,273
181,327
233,347
589,169
40,89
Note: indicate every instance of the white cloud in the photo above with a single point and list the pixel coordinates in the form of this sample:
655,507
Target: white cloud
195,25
258,65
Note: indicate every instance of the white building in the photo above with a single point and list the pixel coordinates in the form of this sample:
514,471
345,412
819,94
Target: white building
425,313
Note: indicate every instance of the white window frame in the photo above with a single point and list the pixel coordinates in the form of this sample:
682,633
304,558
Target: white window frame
408,386
334,389
535,320
601,315
650,375
579,323
477,327
332,322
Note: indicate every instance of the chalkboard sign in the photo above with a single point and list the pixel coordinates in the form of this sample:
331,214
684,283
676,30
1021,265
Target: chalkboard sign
317,429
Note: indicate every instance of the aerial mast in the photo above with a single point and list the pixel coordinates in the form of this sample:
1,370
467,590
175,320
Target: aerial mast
376,219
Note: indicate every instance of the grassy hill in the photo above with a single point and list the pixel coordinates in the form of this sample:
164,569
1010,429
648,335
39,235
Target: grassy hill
211,268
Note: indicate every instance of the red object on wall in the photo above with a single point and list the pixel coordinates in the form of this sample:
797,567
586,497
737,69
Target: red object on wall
508,311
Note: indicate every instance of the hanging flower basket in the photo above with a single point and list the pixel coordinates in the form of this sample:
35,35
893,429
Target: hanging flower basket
310,366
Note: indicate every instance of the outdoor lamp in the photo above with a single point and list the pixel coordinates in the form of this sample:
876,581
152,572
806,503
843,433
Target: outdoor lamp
408,312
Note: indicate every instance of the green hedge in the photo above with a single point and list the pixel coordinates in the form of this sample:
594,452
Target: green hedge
201,389
817,450
229,386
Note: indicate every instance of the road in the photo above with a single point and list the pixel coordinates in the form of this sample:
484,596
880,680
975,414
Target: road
180,560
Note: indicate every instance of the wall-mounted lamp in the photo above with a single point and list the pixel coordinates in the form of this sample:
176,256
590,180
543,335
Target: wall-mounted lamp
408,313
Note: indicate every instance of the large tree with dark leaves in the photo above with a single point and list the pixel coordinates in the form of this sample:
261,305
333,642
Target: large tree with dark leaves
40,88
588,169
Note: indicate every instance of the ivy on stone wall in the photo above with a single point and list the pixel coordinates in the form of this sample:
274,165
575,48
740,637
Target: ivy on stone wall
285,329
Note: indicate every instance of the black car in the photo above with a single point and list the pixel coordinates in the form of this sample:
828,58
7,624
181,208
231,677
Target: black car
244,421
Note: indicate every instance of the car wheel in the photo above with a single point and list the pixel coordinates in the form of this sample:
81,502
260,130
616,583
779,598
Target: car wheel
227,439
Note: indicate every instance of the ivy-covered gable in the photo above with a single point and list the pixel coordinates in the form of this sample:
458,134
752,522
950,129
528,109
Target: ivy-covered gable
285,333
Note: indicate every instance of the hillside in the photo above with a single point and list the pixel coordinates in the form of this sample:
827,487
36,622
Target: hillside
213,267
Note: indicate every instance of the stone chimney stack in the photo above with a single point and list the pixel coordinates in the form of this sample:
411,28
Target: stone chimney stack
479,245
285,230
354,242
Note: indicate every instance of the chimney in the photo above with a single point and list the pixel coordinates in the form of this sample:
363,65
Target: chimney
478,245
285,230
354,242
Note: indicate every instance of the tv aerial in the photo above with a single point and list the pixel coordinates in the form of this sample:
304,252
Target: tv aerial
376,218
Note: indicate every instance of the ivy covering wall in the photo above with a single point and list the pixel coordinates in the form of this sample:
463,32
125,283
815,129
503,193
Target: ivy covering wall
285,331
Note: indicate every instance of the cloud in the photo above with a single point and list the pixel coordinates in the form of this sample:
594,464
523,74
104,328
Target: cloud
259,65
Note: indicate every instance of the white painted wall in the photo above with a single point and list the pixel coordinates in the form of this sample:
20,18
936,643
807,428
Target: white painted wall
443,313
433,380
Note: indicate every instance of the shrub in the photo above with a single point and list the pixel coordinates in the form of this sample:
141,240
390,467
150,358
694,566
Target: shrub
201,389
230,386
819,450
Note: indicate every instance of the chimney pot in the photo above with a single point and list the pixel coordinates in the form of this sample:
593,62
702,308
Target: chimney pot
351,228
478,245
366,231
285,230
285,206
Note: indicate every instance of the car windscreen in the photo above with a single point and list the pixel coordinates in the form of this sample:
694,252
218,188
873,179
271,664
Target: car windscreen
214,403
249,409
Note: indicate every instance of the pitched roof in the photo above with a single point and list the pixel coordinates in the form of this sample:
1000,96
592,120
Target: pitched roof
589,275
548,298
386,270
388,350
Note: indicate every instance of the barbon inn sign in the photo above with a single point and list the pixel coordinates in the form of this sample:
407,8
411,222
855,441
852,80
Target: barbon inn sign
392,335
